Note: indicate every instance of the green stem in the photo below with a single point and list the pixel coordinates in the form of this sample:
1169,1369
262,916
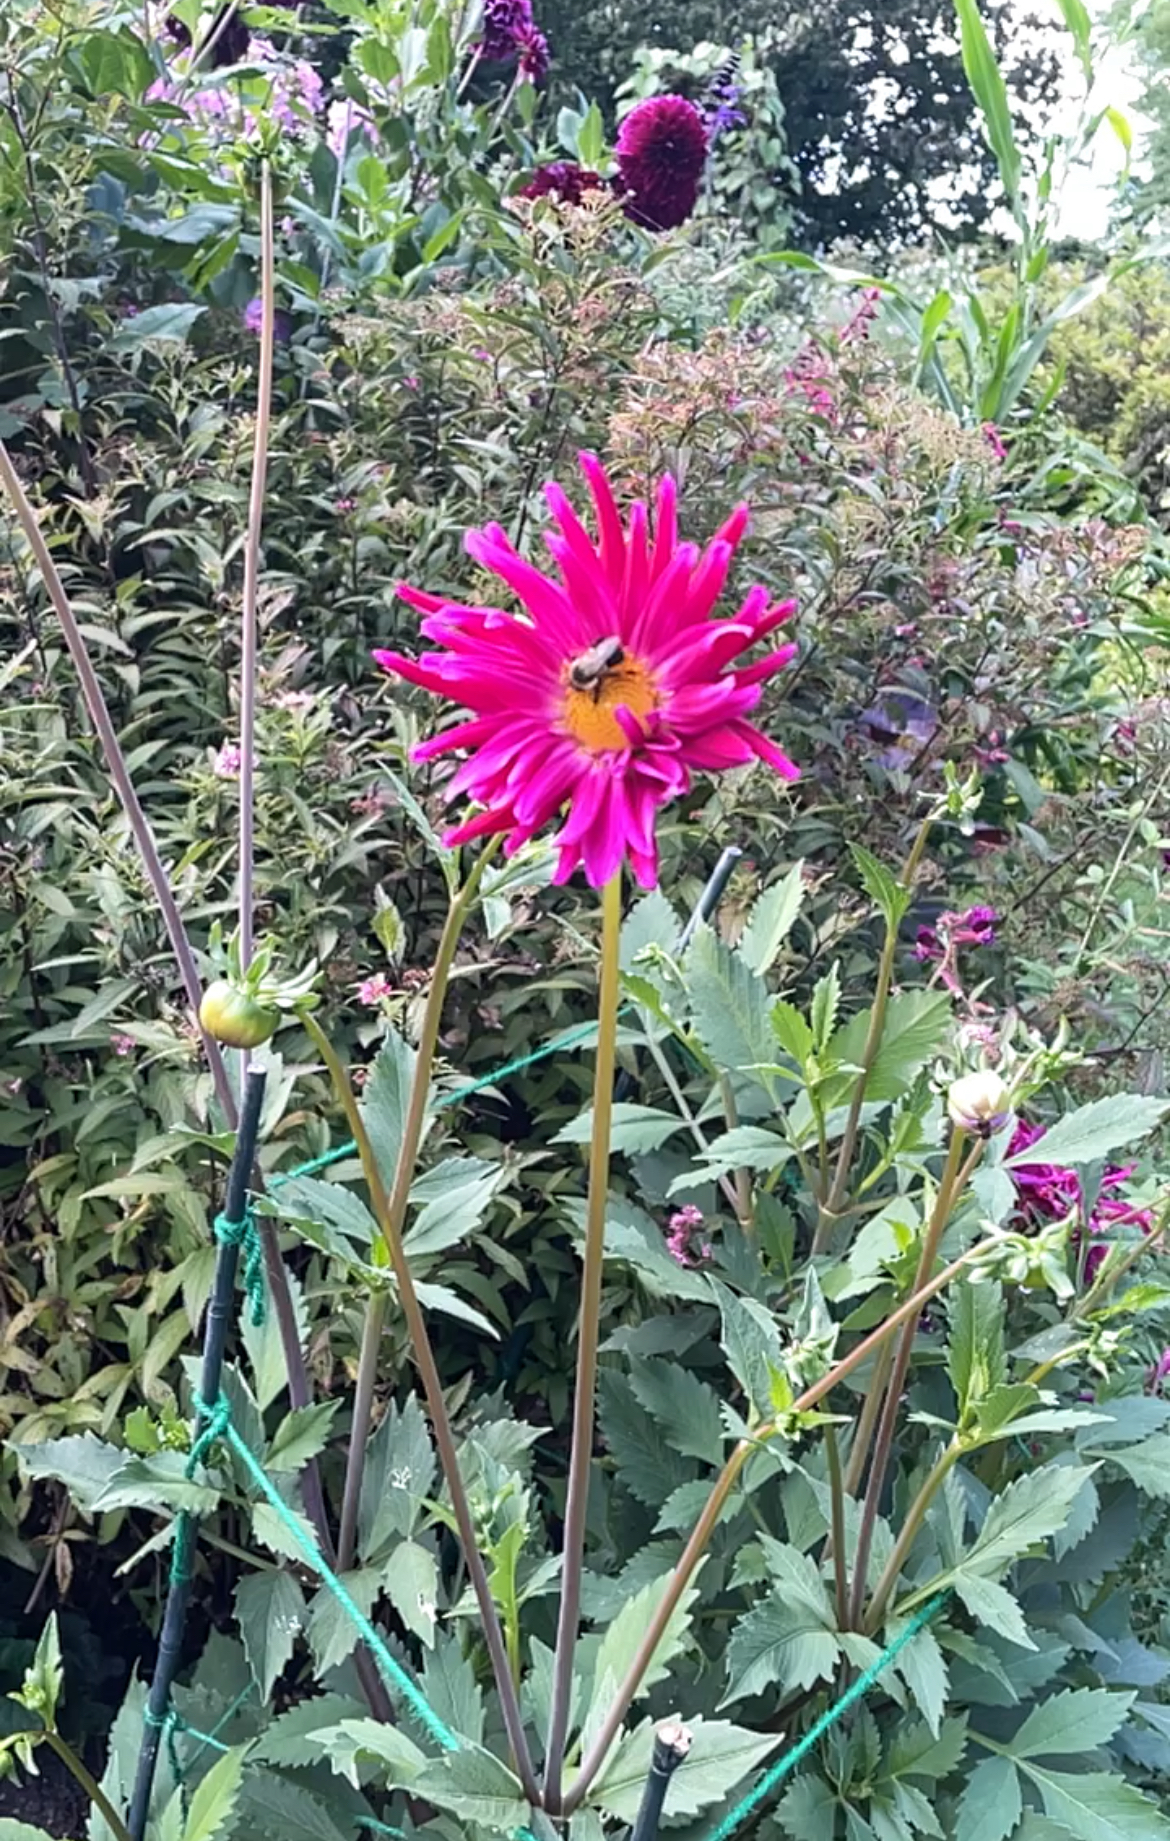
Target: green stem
720,1491
871,1407
89,1784
588,1336
915,1516
399,1200
955,1177
249,622
830,1207
837,1525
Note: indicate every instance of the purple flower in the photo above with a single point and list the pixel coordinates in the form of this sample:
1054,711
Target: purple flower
1049,1192
683,1225
1159,1372
253,319
122,1044
533,48
508,28
344,120
995,440
661,153
903,722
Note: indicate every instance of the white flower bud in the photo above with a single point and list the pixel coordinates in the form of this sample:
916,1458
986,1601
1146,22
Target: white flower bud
979,1103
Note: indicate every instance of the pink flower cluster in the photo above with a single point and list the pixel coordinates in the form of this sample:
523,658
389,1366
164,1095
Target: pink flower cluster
295,94
941,943
684,1225
373,990
1050,1192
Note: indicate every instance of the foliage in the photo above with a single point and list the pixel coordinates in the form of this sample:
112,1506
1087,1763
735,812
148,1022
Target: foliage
979,643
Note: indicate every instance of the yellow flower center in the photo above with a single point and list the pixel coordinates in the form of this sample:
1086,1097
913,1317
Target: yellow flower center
589,713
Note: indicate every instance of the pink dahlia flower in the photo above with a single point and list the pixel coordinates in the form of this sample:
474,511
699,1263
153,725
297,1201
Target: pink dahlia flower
661,152
608,692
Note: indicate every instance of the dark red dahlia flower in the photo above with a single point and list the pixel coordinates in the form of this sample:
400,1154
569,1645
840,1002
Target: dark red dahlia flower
661,152
564,180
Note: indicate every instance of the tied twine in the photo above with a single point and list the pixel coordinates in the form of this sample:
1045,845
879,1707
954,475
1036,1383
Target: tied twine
243,1234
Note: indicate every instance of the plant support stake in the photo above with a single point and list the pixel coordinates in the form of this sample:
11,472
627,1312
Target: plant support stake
672,1744
219,1315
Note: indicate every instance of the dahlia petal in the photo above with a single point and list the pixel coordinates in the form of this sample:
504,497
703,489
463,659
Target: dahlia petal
548,604
612,544
765,668
768,752
665,526
637,572
482,825
705,655
463,735
604,843
718,749
419,597
655,628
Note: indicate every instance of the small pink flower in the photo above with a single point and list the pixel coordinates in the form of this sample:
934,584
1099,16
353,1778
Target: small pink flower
1159,1372
995,440
683,1224
122,1044
372,990
226,765
343,506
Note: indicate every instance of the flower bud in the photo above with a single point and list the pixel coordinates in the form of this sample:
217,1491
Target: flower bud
979,1103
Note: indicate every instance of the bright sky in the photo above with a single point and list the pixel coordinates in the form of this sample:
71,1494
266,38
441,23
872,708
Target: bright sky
1085,202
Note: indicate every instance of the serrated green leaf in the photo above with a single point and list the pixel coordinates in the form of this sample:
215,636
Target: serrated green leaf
992,1604
213,1800
751,1343
882,887
1078,1720
266,1350
915,1752
270,1610
1095,1806
450,1684
771,920
621,1641
410,1579
976,1361
1148,1464
12,1830
272,1808
350,1739
647,1465
331,1631
156,1482
729,1005
991,1802
826,1001
786,1644
916,1024
808,1809
684,1408
300,1435
449,1304
399,1476
269,1528
83,1463
1091,1132
385,1098
474,1785
289,1739
744,1147
1027,1511
923,1668
331,1205
720,1757
792,1032
452,1199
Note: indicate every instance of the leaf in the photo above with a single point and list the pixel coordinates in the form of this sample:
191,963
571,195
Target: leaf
300,1435
410,1579
826,1001
449,1304
350,1739
993,1605
450,1684
636,1129
270,1610
729,1005
156,1482
720,1757
621,1641
171,323
288,1739
915,1752
1148,1464
331,1632
1076,18
990,91
1091,1132
916,1023
771,920
991,1802
975,1353
787,1642
1078,1720
456,1195
266,1350
684,1408
751,1343
650,1470
1098,1807
1028,1511
792,1032
83,1463
213,1800
303,1198
809,1810
922,1667
744,1147
476,1786
385,1098
883,888
12,1830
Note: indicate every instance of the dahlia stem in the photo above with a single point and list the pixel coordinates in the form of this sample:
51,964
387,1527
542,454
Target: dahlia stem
955,1177
720,1491
588,1336
249,621
424,1360
830,1206
398,1202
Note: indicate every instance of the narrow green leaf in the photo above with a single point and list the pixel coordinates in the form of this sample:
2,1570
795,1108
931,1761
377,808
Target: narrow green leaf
410,1579
976,1361
1091,1132
636,1129
399,1476
270,1610
882,887
213,1801
771,921
990,91
300,1435
729,1005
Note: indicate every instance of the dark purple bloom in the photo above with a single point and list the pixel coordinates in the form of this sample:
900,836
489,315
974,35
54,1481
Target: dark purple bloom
661,152
562,179
533,48
510,30
903,723
253,316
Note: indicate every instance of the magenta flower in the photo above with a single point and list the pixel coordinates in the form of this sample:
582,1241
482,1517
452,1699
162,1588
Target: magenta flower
253,318
1048,1191
508,29
661,152
122,1044
609,692
564,180
373,990
684,1224
995,440
533,48
226,765
1159,1372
